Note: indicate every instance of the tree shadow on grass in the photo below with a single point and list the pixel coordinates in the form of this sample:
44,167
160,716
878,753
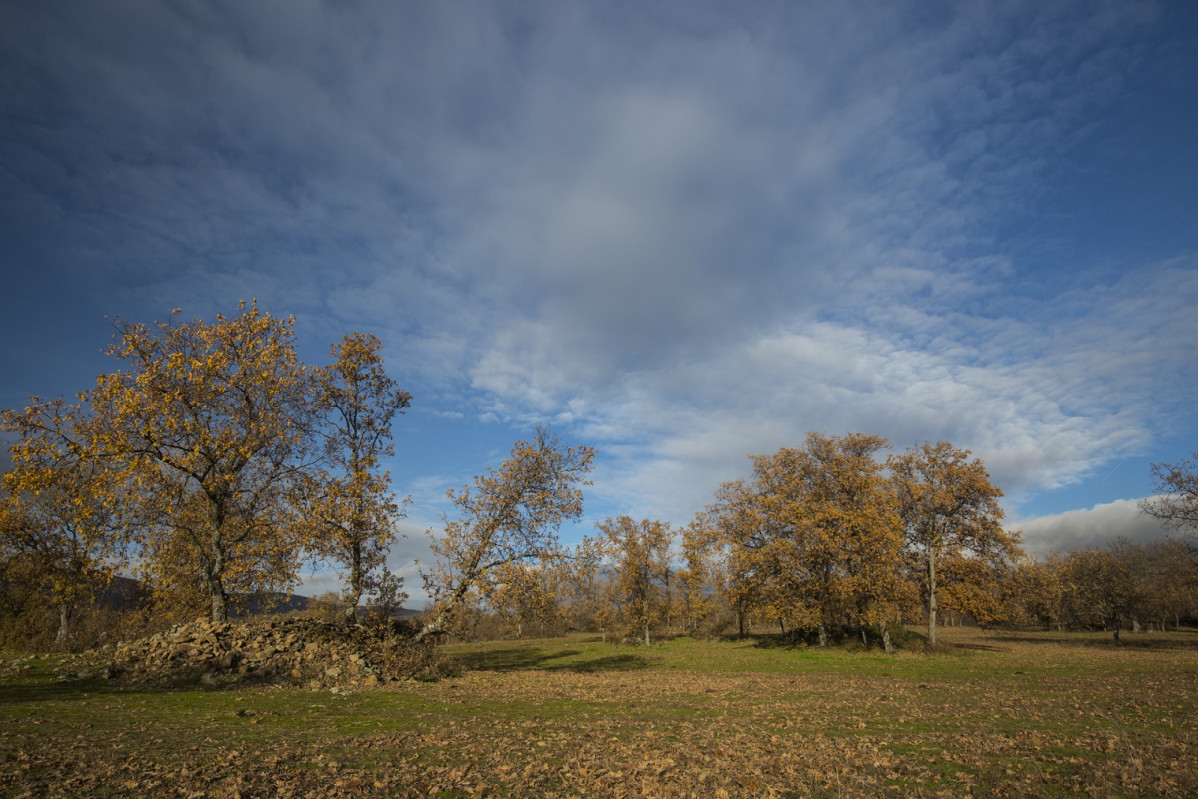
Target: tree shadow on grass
610,663
1128,640
21,692
523,658
768,640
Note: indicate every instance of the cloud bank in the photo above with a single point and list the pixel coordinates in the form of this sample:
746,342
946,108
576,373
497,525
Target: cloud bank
1098,526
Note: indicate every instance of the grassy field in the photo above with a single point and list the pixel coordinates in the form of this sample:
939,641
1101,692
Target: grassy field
996,713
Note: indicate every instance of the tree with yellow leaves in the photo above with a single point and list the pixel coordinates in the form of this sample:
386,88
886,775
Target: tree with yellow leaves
580,585
512,514
58,536
737,531
950,511
817,538
1037,591
638,557
349,498
524,596
208,423
698,577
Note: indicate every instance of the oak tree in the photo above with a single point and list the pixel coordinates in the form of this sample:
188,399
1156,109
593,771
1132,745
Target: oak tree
638,555
949,510
698,577
1086,578
1037,590
580,585
511,514
738,534
209,422
349,498
60,537
818,537
524,595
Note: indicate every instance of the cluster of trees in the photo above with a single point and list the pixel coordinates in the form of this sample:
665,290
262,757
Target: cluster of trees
826,541
1127,585
211,463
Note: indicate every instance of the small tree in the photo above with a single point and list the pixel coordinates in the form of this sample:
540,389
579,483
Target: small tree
697,594
1173,592
58,537
579,583
1036,589
350,499
511,515
524,594
1087,577
949,510
639,557
738,533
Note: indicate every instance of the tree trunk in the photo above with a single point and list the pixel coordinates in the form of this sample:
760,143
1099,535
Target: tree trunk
220,605
355,585
887,644
216,590
64,625
214,568
932,597
823,636
437,625
469,574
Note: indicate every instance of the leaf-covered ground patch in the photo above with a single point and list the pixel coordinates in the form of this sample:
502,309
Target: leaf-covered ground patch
1053,715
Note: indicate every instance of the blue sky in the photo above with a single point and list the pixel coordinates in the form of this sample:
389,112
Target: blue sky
680,232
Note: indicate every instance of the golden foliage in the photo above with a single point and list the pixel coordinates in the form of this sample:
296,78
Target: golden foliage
512,514
815,536
59,537
950,515
638,566
348,501
206,425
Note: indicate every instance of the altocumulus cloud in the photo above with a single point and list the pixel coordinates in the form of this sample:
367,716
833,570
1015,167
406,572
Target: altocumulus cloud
681,231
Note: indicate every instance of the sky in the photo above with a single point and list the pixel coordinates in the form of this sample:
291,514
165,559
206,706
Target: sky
679,232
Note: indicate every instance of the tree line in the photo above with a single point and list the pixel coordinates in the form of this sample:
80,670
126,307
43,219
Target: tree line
828,541
213,462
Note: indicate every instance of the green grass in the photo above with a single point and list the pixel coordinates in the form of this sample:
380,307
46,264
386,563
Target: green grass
1032,713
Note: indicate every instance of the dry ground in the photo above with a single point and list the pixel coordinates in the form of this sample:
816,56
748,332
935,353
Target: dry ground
1008,714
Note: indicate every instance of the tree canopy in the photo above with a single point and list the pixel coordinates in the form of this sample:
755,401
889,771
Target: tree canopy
950,516
348,499
511,514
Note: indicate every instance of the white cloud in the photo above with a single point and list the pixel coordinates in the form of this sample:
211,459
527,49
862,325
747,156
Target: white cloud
1098,526
1040,420
687,232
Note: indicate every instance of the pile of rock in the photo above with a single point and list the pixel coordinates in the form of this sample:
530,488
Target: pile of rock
298,651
